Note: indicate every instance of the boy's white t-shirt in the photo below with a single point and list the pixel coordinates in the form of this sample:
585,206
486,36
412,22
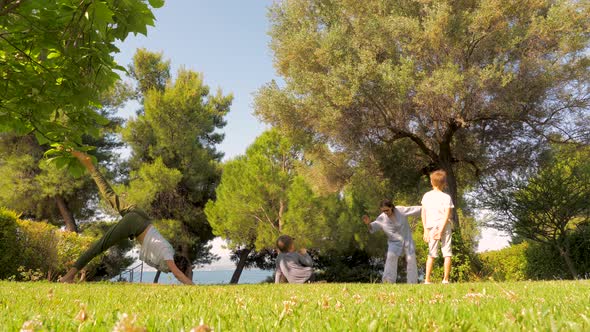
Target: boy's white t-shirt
435,202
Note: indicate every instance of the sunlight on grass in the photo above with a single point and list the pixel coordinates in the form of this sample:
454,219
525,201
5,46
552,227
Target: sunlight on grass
556,305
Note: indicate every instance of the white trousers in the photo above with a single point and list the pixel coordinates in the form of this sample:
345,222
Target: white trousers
390,271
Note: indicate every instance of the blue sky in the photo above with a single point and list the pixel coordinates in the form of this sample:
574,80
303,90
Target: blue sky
227,41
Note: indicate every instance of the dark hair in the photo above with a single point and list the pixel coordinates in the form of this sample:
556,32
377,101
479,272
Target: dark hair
284,243
182,263
387,203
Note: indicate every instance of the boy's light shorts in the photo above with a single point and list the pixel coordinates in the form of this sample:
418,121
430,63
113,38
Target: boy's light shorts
445,242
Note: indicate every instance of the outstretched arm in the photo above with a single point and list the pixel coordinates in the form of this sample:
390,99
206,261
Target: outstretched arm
371,226
410,210
177,273
103,186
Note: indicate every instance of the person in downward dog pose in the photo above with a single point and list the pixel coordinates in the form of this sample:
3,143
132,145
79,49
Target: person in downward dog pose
393,221
155,250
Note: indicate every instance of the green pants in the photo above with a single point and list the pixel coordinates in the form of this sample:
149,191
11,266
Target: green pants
133,223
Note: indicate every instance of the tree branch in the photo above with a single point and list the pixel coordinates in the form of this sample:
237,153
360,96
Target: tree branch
8,6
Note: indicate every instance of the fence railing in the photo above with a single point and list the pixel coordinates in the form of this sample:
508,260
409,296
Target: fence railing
131,272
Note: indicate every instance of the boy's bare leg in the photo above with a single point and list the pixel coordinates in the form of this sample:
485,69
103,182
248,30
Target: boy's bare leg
447,268
429,265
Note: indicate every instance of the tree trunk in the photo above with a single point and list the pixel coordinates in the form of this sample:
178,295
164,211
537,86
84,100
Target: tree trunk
185,251
446,164
565,253
281,210
240,266
66,214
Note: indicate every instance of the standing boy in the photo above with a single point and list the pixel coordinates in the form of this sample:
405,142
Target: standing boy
436,212
292,267
394,223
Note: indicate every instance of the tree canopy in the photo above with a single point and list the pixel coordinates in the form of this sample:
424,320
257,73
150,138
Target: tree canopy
547,206
471,84
251,199
261,196
56,60
174,160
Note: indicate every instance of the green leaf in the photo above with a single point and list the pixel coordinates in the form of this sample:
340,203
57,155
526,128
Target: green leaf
103,15
40,138
61,162
157,3
53,55
101,120
52,153
75,168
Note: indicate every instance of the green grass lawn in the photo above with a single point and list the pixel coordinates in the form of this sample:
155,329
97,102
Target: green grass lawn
525,306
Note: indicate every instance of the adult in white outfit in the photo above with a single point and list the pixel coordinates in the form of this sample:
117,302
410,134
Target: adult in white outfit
393,221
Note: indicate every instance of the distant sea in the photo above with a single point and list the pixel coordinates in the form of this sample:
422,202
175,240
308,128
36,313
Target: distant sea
250,276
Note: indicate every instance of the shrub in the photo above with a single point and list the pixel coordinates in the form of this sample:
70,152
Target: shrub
545,262
580,249
531,260
31,249
508,264
70,246
45,248
8,243
351,266
37,244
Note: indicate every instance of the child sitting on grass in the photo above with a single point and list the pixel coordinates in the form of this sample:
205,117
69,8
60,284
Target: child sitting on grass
436,212
292,267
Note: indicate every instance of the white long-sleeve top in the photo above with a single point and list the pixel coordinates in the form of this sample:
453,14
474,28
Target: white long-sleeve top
295,267
397,229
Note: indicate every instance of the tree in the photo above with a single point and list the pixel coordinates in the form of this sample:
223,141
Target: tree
174,162
265,193
37,189
43,191
56,61
252,196
547,206
473,85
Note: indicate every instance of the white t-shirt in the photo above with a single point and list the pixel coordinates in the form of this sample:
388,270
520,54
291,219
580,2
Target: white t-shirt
155,250
435,203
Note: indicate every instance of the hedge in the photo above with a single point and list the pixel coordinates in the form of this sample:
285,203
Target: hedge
32,247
